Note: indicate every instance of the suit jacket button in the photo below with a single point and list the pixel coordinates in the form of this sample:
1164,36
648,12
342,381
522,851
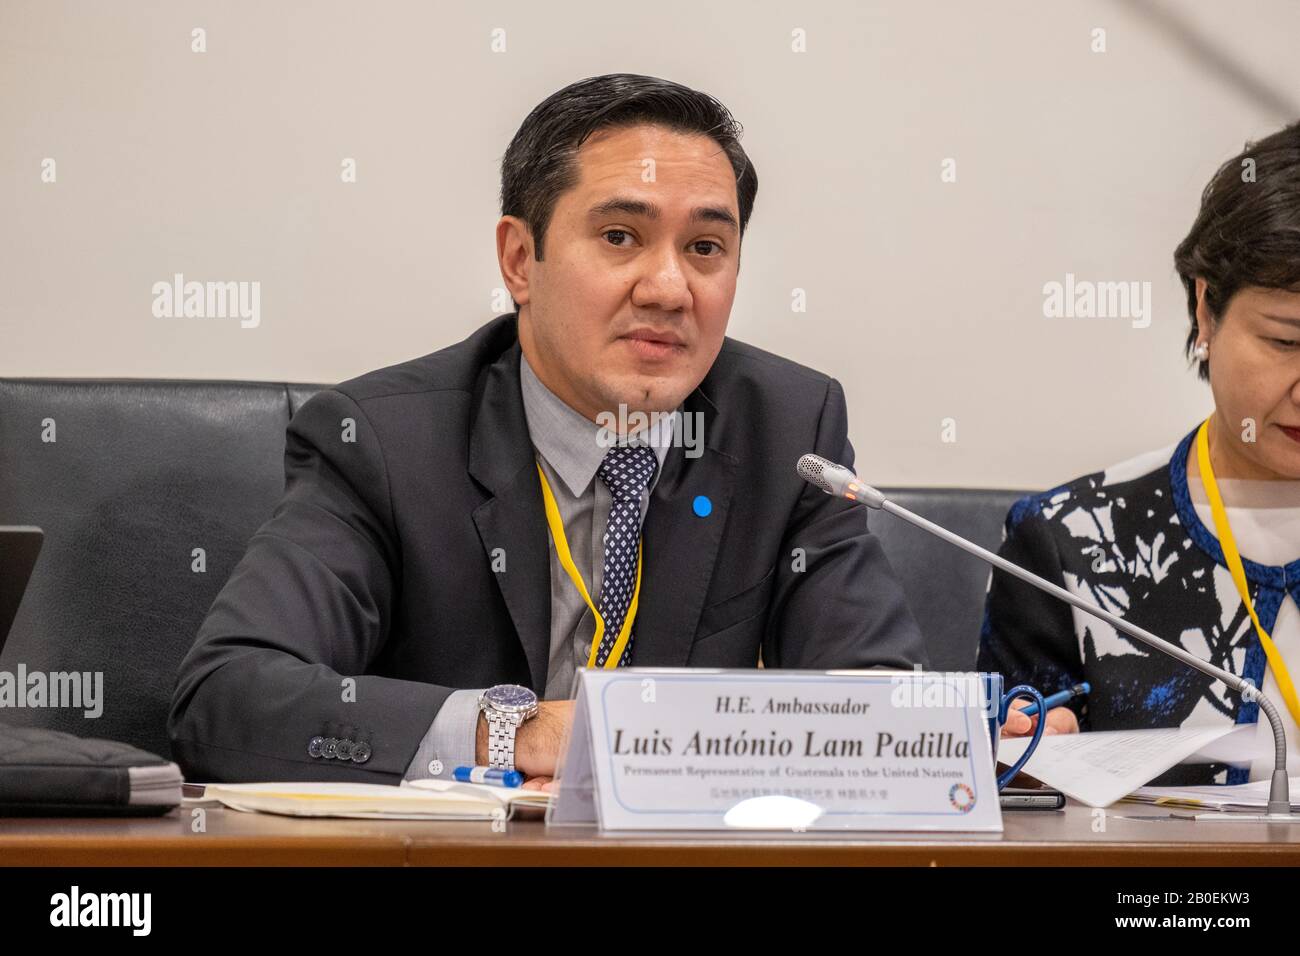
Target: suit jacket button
314,745
361,752
344,750
329,749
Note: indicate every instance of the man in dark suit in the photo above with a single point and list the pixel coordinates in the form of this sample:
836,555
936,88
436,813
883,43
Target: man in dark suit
600,478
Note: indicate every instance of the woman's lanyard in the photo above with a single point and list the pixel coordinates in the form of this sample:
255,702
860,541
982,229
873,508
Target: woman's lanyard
566,559
1233,558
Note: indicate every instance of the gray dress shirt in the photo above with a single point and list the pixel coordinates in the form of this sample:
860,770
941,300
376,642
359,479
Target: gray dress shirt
570,452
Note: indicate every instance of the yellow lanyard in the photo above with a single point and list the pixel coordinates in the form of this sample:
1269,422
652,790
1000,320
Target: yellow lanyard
566,559
1233,558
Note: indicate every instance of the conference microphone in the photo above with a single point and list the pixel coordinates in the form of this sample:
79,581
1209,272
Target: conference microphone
840,482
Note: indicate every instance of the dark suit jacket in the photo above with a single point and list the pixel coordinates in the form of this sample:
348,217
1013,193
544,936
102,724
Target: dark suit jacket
376,565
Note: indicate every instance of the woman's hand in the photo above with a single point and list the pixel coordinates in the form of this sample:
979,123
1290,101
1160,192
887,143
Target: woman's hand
1060,720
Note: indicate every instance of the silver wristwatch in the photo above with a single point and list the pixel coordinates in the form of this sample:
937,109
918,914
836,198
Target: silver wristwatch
505,707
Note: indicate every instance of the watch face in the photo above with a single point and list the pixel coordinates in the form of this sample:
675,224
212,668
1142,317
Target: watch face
510,697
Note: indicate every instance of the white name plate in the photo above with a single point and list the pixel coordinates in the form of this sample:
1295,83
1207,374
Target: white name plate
696,749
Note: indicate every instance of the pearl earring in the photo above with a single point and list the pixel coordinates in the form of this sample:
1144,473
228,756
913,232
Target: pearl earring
1202,351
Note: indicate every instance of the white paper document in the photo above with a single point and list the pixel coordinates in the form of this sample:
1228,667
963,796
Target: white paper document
1104,766
1242,745
1239,798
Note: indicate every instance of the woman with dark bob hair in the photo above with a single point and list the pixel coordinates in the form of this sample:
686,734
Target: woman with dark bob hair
1198,542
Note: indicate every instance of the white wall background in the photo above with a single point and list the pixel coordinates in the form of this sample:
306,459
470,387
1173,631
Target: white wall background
924,297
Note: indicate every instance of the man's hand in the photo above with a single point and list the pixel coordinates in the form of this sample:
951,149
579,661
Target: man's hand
1060,720
537,741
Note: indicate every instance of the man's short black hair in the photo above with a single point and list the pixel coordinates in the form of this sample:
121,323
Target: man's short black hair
1248,230
541,162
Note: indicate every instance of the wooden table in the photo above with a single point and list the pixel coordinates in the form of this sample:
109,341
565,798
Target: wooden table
1134,835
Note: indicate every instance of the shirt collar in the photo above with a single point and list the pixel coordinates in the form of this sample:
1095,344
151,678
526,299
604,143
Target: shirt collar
570,442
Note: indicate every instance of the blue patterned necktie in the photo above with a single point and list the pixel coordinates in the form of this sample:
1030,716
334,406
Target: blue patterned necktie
627,471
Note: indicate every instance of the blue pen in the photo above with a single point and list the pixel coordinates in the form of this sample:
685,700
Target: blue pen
499,778
1056,700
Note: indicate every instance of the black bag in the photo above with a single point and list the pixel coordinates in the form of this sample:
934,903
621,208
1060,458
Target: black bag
50,773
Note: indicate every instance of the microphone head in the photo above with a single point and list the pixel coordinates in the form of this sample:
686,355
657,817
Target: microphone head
838,481
812,468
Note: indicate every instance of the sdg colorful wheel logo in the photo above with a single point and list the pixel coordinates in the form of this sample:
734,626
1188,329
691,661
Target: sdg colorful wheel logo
961,797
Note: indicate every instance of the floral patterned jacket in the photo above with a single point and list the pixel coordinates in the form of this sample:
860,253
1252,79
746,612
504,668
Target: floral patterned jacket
1129,539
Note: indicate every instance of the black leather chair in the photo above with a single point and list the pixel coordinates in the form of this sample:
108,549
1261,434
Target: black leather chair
141,473
945,586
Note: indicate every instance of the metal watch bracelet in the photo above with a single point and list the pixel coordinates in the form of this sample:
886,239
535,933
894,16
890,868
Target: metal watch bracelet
501,740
